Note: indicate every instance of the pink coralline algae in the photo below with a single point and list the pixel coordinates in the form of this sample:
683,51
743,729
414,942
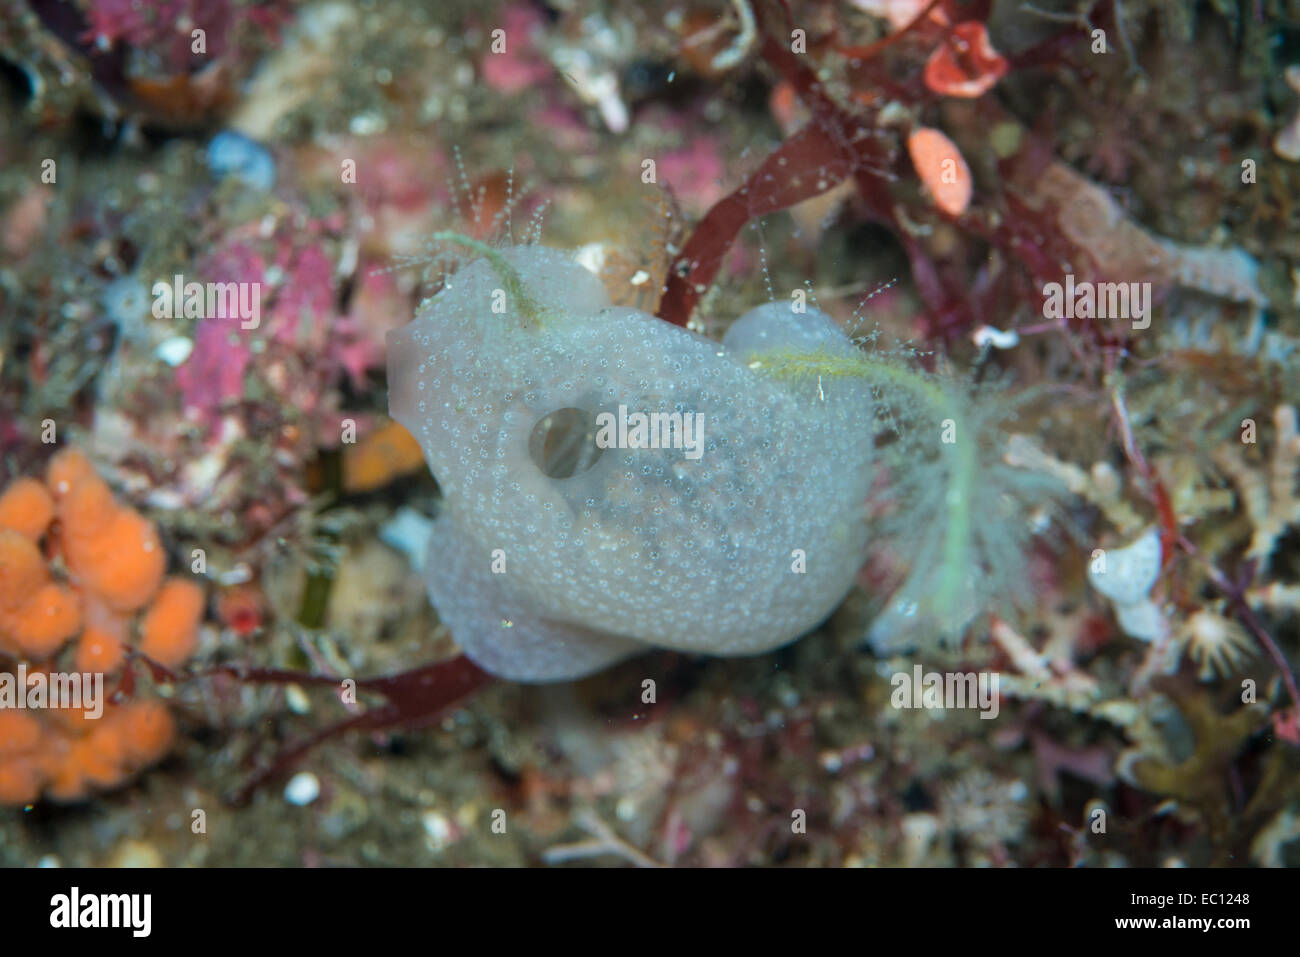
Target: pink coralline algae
304,299
157,25
213,376
308,329
214,373
520,64
695,173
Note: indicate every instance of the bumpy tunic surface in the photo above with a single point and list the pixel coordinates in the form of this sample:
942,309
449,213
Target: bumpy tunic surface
734,549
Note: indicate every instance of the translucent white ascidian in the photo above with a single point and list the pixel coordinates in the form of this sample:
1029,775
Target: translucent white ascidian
543,575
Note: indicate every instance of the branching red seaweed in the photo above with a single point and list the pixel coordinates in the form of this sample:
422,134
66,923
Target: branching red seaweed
413,699
842,142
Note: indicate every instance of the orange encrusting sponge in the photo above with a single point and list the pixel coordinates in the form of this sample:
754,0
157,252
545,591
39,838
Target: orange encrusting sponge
37,617
26,508
110,549
20,778
382,456
169,631
114,564
125,741
102,645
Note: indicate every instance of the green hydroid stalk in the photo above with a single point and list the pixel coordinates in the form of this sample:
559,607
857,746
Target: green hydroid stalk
513,282
961,455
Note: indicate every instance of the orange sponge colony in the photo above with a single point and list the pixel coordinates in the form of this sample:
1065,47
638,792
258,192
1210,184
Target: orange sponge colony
115,748
99,580
169,631
20,778
103,642
37,617
68,763
112,550
26,508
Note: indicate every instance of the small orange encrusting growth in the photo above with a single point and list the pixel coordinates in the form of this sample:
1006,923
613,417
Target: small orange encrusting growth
942,169
380,457
169,631
102,567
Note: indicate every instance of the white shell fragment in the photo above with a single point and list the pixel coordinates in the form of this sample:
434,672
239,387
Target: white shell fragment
1126,576
1130,572
175,350
303,788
